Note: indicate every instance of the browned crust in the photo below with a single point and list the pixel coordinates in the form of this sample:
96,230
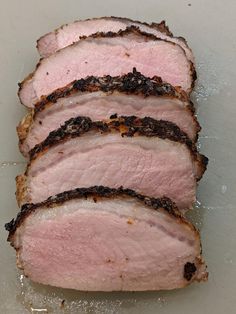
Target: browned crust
133,83
135,30
200,263
193,75
28,77
21,189
189,270
202,164
121,33
24,125
127,126
195,270
97,193
162,27
129,30
196,124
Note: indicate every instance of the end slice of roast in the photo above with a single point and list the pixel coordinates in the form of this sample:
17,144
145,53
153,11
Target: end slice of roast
101,239
101,97
109,54
152,157
70,33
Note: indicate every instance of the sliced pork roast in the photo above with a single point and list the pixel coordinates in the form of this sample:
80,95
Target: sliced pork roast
152,157
99,98
109,54
102,239
70,33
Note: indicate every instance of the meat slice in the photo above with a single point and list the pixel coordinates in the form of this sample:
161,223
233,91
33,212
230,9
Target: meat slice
101,239
109,54
70,33
99,98
152,157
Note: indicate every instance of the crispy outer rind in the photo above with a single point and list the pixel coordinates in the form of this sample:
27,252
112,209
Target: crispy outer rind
121,33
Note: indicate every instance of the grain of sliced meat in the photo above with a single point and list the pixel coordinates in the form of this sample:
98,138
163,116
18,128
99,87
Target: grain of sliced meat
71,33
109,54
100,98
153,157
102,239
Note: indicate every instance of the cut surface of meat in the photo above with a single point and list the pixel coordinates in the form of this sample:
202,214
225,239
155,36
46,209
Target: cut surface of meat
100,98
109,54
71,33
101,239
152,157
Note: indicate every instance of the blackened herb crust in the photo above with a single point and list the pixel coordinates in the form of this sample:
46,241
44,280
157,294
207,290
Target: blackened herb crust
128,31
189,270
96,193
128,126
131,83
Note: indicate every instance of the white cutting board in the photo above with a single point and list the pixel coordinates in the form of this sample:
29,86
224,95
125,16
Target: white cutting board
210,28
